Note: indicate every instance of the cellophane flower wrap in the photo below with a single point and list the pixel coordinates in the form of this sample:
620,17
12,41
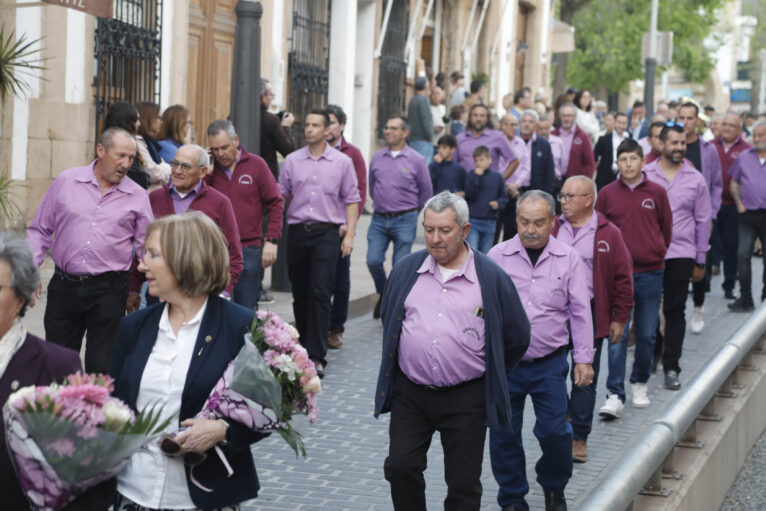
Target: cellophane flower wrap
269,380
64,439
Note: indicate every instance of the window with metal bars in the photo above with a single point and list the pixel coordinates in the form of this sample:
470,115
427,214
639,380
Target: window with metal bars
128,55
392,94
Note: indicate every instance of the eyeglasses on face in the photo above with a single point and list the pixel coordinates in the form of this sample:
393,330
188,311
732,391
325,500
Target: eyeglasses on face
184,166
563,197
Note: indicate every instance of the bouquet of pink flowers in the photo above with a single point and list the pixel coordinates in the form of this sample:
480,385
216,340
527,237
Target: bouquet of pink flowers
269,380
64,439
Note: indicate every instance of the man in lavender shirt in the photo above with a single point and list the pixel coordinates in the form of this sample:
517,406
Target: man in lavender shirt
479,132
748,188
321,185
552,284
685,259
400,185
93,221
453,327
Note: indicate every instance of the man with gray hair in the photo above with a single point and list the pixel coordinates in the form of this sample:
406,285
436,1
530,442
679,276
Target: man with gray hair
245,179
453,328
421,121
93,220
187,191
275,130
552,284
577,158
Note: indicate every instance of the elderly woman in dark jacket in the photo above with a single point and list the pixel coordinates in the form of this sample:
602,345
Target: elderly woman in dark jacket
28,360
172,354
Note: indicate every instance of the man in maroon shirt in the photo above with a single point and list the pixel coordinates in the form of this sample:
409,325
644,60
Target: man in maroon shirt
246,180
654,142
339,312
640,208
725,239
187,192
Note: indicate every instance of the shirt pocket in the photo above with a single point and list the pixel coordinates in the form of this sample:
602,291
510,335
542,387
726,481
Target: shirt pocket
557,298
330,185
472,334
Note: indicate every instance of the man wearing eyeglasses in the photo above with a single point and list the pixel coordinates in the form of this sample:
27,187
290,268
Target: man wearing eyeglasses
689,199
187,191
400,185
577,159
275,131
609,276
704,157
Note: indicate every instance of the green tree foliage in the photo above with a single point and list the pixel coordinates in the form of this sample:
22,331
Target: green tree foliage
608,35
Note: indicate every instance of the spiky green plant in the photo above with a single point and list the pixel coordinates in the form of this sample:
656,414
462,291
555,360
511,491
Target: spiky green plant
8,207
17,57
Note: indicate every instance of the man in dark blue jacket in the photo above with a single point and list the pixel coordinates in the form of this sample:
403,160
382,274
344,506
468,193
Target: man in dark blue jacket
453,327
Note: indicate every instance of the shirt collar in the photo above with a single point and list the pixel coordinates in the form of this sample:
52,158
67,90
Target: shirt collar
87,174
193,191
165,327
327,154
405,151
514,245
468,270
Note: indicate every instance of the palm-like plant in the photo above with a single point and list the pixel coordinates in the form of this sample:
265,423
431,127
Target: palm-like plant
17,57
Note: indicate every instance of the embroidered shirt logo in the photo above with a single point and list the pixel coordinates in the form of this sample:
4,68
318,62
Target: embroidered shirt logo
602,246
647,203
473,332
245,180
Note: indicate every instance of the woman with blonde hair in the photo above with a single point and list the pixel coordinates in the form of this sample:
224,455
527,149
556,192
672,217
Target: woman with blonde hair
174,131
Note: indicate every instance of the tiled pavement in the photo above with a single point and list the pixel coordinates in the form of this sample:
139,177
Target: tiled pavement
347,446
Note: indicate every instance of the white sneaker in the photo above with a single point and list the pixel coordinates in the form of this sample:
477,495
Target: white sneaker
612,407
698,320
640,399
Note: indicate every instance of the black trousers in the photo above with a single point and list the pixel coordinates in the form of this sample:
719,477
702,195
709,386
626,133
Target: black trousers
459,415
675,290
93,308
703,286
312,259
506,221
752,225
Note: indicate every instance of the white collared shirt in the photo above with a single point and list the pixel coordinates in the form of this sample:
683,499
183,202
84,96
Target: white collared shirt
10,343
150,478
616,139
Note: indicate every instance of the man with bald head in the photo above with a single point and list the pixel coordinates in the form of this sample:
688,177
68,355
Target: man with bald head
609,276
93,220
551,280
187,191
724,241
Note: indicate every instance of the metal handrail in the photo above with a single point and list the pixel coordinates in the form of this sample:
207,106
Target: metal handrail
644,457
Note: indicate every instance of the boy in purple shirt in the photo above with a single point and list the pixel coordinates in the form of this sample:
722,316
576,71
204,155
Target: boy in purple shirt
486,195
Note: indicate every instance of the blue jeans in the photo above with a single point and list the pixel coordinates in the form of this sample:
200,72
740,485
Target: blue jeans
647,293
482,234
339,312
546,383
400,230
248,285
582,400
425,148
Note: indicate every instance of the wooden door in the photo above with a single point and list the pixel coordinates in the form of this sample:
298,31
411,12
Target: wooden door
211,58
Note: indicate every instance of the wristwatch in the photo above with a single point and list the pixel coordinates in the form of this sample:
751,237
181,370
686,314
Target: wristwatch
699,266
225,441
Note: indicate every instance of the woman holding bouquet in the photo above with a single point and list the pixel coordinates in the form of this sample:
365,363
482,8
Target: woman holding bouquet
27,360
172,354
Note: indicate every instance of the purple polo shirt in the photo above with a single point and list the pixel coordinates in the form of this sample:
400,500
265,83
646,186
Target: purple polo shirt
552,292
519,150
690,203
499,149
557,148
442,339
399,183
318,188
566,142
88,232
583,241
523,173
750,173
181,203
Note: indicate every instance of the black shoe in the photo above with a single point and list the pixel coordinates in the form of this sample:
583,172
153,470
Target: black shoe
742,304
671,381
729,294
320,369
376,310
555,501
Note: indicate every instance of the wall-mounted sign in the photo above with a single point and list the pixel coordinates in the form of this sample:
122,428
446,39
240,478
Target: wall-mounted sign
100,8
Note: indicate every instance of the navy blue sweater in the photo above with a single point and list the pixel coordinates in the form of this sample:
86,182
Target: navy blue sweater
447,175
506,331
481,190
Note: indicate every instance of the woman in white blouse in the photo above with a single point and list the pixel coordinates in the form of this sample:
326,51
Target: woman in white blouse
586,114
172,354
